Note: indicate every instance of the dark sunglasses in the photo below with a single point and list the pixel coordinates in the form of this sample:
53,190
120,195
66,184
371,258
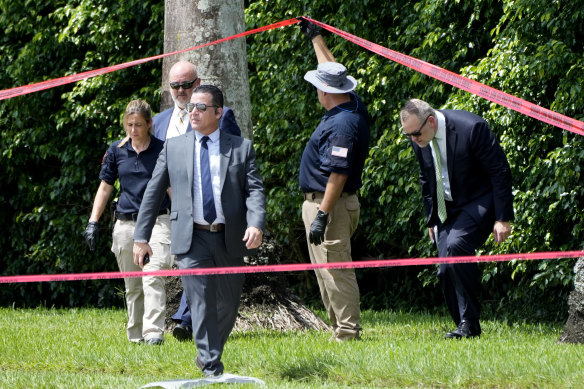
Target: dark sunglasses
201,107
416,133
184,85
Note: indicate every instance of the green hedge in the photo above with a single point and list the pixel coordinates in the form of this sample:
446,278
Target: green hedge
52,141
507,45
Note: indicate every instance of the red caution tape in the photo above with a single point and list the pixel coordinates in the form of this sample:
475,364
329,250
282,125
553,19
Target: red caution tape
487,92
474,87
292,267
23,90
436,72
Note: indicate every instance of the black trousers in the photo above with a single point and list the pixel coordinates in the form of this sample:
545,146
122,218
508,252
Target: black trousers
461,235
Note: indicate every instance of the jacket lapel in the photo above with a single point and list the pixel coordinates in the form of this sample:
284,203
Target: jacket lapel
189,156
450,147
225,148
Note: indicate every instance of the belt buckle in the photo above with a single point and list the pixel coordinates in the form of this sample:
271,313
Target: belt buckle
214,227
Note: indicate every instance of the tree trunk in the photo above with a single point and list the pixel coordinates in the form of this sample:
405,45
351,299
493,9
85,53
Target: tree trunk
574,327
192,23
266,302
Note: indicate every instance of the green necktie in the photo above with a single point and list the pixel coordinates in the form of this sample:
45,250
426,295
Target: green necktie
439,185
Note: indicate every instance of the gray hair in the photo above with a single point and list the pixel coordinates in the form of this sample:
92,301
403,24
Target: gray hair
416,107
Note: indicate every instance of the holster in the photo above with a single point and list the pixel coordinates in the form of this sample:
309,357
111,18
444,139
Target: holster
113,207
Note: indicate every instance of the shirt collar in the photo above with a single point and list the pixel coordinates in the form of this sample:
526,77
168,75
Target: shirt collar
441,132
213,137
178,109
128,144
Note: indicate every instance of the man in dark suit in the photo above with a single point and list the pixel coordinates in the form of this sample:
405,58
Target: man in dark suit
183,79
466,187
174,121
217,217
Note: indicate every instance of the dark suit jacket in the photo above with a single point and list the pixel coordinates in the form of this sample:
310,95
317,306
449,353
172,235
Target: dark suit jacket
479,173
242,193
161,121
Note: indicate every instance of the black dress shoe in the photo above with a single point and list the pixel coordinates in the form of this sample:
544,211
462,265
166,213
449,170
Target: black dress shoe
466,329
183,333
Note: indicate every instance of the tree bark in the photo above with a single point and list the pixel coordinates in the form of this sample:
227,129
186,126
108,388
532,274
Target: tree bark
574,327
192,23
266,302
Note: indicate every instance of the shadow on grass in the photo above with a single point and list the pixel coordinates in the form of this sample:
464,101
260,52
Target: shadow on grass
316,366
267,334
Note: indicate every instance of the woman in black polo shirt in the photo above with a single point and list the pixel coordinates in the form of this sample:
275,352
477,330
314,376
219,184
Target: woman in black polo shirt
132,161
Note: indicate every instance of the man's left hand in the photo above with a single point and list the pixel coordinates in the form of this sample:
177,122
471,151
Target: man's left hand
252,238
501,231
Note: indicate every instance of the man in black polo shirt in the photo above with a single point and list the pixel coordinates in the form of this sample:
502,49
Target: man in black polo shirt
330,174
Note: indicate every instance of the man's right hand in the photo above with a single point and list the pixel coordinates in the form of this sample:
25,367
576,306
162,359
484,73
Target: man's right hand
140,250
91,235
308,28
318,227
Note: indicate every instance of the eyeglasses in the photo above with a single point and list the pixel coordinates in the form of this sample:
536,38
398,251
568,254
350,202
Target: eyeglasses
184,85
416,133
201,107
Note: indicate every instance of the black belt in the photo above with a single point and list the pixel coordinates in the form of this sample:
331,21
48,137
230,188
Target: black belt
213,227
320,195
134,216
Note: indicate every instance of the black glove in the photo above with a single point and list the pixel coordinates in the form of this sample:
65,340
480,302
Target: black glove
308,28
91,235
316,234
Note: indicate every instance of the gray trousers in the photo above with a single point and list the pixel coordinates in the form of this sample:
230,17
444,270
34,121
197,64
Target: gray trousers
213,299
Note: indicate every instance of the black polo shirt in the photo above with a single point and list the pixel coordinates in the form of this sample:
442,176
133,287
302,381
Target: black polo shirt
339,144
133,170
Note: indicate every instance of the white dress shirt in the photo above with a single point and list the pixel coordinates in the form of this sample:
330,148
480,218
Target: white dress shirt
172,130
441,140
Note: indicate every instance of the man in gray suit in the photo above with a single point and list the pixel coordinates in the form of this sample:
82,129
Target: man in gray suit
217,218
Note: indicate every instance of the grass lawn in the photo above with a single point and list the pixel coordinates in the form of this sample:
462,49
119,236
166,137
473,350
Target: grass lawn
87,348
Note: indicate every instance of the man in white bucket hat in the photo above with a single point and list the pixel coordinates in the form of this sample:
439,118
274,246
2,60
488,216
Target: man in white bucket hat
330,176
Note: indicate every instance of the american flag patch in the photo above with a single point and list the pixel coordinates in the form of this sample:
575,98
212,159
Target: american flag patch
340,151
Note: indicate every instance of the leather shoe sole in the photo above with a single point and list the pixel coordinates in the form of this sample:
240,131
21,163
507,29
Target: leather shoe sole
155,342
456,335
465,329
182,333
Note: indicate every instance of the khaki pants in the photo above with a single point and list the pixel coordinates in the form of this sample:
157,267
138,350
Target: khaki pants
146,296
338,287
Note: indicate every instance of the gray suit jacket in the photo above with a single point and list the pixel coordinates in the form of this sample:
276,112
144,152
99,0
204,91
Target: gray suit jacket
242,192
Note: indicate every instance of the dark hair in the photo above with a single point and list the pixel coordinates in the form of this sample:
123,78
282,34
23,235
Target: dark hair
216,94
